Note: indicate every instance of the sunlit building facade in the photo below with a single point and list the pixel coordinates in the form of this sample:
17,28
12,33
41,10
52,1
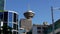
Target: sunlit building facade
39,29
8,22
46,29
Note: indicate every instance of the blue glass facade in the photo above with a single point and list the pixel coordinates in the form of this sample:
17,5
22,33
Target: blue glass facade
10,22
10,16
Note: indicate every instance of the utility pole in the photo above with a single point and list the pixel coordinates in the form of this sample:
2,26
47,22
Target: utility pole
52,19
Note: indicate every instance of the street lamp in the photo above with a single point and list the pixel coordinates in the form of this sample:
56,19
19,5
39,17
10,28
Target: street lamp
53,17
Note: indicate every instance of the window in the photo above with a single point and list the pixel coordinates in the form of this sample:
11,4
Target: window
9,32
5,16
10,16
14,32
44,28
38,27
38,31
17,32
17,27
4,25
17,18
1,16
10,24
14,17
14,26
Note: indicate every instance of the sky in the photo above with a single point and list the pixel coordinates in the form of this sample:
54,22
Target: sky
41,8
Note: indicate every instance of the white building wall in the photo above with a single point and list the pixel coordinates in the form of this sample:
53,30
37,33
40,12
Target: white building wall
34,30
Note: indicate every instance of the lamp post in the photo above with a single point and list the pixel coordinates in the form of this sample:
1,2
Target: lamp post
52,19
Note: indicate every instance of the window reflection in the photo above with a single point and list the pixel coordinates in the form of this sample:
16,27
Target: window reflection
10,17
10,24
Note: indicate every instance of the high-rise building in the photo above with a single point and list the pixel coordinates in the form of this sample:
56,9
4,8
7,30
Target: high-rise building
26,22
1,5
8,22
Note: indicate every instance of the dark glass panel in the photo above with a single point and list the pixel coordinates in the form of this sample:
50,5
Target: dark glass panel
17,27
4,25
17,18
17,32
39,31
14,26
38,27
5,16
14,32
14,17
9,32
1,16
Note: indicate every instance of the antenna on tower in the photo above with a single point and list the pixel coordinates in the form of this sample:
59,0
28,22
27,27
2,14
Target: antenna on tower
28,6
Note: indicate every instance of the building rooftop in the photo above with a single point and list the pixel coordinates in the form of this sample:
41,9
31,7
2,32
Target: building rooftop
10,11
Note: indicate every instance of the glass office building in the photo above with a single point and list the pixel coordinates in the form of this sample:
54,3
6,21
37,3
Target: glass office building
8,22
2,4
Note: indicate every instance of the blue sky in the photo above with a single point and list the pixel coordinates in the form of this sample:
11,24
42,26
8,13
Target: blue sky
40,7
